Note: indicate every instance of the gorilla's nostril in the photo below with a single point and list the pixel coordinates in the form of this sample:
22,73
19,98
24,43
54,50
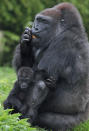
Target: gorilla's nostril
36,28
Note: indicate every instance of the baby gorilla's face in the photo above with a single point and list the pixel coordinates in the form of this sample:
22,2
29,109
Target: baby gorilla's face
25,76
24,82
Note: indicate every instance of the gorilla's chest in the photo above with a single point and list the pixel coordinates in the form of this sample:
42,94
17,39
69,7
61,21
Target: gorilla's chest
48,60
50,65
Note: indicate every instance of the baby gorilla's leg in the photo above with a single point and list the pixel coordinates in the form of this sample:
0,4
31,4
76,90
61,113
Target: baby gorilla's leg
13,103
35,99
31,114
24,109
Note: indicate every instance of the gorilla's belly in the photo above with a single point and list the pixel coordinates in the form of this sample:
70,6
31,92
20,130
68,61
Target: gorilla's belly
61,101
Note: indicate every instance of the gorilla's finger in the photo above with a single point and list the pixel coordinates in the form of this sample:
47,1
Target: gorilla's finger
26,36
27,29
25,40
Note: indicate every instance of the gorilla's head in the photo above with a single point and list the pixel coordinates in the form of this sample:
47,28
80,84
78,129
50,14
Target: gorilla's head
50,23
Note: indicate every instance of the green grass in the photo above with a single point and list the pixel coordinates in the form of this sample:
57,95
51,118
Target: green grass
11,122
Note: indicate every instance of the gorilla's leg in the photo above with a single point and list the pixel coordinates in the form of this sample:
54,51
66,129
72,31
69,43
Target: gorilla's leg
61,122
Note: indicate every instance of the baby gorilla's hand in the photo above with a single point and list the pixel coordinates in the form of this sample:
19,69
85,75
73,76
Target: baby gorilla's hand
31,114
26,36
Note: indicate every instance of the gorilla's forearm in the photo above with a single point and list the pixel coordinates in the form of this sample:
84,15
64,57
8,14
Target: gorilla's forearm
23,55
17,58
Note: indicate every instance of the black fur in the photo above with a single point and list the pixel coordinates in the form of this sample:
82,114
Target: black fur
28,93
18,96
60,48
35,97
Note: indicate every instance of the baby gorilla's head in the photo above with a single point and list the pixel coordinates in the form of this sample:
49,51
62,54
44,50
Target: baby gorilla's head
25,76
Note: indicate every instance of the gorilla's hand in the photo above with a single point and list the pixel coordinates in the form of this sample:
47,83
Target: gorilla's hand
51,83
25,43
26,36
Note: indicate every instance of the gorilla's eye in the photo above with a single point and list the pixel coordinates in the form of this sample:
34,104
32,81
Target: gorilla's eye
45,21
39,19
42,20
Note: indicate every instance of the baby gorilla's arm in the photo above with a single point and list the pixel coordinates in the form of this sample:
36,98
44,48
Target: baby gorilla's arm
12,100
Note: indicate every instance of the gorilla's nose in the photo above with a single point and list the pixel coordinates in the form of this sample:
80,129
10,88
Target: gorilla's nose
35,30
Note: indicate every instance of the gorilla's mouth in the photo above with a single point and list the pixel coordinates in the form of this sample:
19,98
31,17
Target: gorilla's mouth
34,37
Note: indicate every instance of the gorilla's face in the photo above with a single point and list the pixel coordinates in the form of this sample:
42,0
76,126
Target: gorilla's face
50,23
43,29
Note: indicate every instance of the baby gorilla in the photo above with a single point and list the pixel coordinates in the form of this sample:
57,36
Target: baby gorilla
36,95
17,96
29,91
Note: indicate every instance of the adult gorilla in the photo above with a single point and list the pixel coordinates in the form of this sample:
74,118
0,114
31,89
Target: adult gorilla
59,45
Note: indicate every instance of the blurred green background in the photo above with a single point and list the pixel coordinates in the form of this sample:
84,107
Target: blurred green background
15,15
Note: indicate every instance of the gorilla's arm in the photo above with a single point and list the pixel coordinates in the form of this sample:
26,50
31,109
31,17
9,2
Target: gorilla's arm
17,58
23,55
